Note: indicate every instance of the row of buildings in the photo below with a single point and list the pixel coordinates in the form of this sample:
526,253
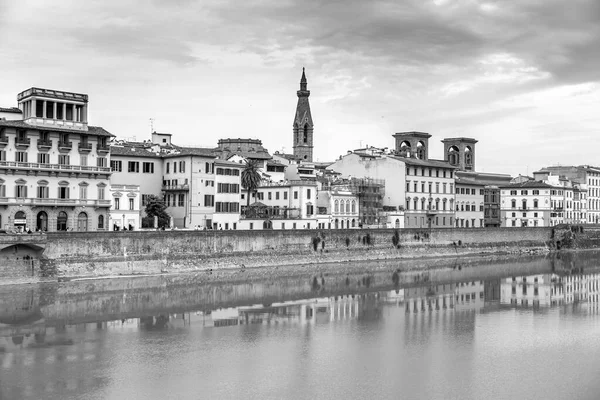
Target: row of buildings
59,173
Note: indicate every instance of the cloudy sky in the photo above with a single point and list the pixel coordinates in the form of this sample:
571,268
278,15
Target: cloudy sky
522,77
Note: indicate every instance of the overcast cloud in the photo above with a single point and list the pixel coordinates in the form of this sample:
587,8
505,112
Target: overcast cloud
519,76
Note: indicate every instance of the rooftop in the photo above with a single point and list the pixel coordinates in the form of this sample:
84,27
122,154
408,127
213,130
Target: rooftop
424,163
54,94
528,185
14,110
92,130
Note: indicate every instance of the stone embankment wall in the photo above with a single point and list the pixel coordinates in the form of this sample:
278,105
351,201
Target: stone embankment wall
118,253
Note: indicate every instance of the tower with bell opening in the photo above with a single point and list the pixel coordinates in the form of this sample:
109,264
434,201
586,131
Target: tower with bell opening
303,124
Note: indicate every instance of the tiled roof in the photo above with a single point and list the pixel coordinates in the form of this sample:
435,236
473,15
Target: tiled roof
190,151
132,151
424,163
11,110
230,163
276,164
92,130
528,185
257,155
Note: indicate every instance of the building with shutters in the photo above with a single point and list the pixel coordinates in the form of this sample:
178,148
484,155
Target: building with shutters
54,167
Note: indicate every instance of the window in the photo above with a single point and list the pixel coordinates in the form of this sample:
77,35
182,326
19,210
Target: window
295,195
148,168
116,166
285,195
513,192
131,204
21,191
2,155
100,221
174,167
117,203
536,192
21,156
269,195
168,168
181,200
100,193
308,193
523,192
83,192
43,158
535,203
83,160
43,192
63,192
181,166
513,203
101,162
133,166
276,195
209,200
63,159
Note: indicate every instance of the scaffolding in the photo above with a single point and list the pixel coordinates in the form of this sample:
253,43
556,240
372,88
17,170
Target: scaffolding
370,193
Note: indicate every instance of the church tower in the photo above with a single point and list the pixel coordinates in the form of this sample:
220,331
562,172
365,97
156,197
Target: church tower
303,124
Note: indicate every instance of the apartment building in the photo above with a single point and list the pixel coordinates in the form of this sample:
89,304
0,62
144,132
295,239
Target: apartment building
54,167
526,204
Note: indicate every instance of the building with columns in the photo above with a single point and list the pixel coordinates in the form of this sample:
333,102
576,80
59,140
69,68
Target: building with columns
54,167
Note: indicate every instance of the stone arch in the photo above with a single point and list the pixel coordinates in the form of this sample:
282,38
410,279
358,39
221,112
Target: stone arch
453,155
82,221
41,221
353,207
405,148
421,150
468,157
62,220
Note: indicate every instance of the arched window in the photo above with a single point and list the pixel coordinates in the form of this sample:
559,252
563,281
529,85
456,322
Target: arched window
404,149
423,204
305,138
453,155
348,207
337,207
61,221
353,223
468,158
41,223
353,207
100,221
444,204
437,204
421,150
82,222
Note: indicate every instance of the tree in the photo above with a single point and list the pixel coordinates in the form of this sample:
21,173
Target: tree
250,178
155,207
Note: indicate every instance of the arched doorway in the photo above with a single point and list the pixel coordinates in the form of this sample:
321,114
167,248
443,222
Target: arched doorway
337,223
82,222
100,221
61,221
397,223
20,221
41,222
353,223
267,225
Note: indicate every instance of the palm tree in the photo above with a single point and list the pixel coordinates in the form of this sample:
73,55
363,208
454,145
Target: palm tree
250,178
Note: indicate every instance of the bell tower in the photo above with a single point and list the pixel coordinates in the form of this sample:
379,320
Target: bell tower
303,124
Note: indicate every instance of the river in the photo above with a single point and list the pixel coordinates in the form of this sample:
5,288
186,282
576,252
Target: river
482,331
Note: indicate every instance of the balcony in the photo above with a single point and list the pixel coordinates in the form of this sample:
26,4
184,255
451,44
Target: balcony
65,145
22,142
51,167
84,147
70,202
178,188
103,148
44,144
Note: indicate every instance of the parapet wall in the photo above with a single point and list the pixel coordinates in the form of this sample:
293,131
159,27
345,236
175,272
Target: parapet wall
114,253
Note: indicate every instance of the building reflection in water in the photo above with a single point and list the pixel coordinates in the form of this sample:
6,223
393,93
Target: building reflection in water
550,290
463,296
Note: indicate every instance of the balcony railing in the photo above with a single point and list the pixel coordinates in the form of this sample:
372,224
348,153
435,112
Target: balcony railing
176,187
44,144
51,167
67,145
53,202
85,147
22,142
103,148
